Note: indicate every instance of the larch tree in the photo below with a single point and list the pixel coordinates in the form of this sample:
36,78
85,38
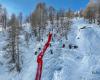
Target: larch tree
90,11
4,18
98,12
12,47
40,19
20,18
51,12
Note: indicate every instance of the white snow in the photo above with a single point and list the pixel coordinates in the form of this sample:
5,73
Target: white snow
82,63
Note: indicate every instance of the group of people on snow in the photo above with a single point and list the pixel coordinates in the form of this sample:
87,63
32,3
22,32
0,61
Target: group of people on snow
61,45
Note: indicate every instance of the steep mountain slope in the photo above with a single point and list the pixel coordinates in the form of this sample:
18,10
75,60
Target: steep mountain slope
80,62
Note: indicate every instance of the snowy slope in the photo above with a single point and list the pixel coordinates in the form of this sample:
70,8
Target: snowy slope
64,64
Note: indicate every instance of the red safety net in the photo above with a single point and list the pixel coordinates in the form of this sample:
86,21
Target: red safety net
40,58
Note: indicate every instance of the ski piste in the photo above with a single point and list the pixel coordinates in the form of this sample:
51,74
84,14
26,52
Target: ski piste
40,58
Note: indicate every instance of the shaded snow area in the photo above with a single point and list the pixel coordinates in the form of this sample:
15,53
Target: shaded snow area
81,63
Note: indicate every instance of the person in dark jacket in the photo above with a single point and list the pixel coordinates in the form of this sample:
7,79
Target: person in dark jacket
51,51
63,46
35,52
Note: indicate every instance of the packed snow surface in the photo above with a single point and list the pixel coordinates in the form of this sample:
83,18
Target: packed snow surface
82,63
